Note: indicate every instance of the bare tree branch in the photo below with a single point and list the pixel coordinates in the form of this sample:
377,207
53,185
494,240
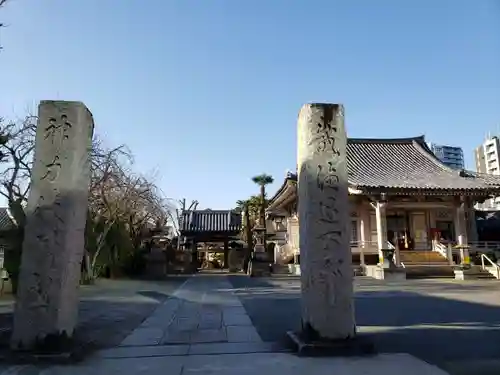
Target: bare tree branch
123,206
2,3
17,152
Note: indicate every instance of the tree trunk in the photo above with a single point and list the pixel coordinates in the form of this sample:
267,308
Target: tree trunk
249,239
262,210
323,208
101,242
89,271
14,243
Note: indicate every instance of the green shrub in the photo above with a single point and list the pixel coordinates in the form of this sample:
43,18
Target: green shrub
135,263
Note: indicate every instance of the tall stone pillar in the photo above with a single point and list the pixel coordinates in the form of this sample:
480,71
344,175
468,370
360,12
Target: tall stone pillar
47,301
324,224
471,222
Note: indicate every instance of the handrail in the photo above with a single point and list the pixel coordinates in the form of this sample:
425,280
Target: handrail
497,267
440,248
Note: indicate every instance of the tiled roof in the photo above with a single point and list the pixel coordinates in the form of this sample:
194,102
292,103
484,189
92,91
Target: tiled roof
210,221
405,163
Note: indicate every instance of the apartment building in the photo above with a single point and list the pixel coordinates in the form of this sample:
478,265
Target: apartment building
451,156
487,159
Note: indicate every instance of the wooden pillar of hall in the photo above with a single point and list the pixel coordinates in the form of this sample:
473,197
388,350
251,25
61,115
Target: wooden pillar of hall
461,230
381,221
194,255
364,234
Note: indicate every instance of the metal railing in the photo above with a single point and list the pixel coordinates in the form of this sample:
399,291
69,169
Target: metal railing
484,245
495,266
366,247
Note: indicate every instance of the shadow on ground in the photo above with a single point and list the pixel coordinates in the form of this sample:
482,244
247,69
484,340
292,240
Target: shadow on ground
436,329
108,312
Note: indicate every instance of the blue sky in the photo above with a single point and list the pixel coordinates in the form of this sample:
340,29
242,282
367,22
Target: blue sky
207,92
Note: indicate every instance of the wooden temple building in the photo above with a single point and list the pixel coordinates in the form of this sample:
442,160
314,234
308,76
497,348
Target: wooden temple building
401,197
205,232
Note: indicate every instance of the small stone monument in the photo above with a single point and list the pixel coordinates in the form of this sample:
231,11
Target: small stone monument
260,258
47,301
328,323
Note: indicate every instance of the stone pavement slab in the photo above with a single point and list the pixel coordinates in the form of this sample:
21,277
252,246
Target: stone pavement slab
280,363
144,336
246,333
234,348
190,349
237,319
204,310
250,364
144,351
123,366
209,335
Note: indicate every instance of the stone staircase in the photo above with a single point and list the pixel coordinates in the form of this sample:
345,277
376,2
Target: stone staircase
280,269
284,270
425,264
431,264
422,258
478,273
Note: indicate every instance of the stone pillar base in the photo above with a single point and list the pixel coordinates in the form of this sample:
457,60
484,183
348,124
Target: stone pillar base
260,256
307,347
258,268
390,274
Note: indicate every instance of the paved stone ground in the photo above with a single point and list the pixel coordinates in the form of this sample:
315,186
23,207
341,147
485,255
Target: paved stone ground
113,309
204,329
235,325
109,310
203,317
455,325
